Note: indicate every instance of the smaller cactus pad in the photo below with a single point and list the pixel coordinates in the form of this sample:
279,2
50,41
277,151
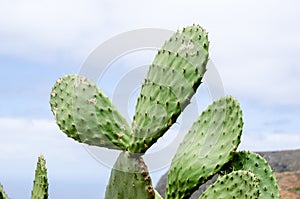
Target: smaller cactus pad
238,185
85,114
172,79
3,194
40,183
260,167
129,179
208,145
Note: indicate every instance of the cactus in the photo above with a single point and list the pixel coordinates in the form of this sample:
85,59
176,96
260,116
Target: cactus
259,166
129,179
40,183
208,145
172,79
2,193
85,114
238,184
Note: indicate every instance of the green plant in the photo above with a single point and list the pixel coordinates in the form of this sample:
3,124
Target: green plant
2,193
209,144
40,183
85,114
260,167
237,184
209,148
129,178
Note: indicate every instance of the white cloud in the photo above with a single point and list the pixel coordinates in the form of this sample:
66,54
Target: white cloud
69,165
23,140
27,136
269,141
268,81
43,30
254,47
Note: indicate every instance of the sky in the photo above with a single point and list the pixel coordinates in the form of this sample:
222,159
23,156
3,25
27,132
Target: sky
254,45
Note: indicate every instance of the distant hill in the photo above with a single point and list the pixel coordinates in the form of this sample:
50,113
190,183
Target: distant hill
281,161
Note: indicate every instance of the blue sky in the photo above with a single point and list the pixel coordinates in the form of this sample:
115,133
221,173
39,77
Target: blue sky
254,45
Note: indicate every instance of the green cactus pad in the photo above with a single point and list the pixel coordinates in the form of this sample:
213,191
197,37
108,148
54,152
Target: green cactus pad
172,80
3,194
208,145
40,183
85,114
260,167
129,179
238,185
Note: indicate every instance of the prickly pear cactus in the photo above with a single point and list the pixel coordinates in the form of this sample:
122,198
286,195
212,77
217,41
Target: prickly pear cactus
129,179
256,164
85,114
40,184
2,193
238,184
208,145
172,80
